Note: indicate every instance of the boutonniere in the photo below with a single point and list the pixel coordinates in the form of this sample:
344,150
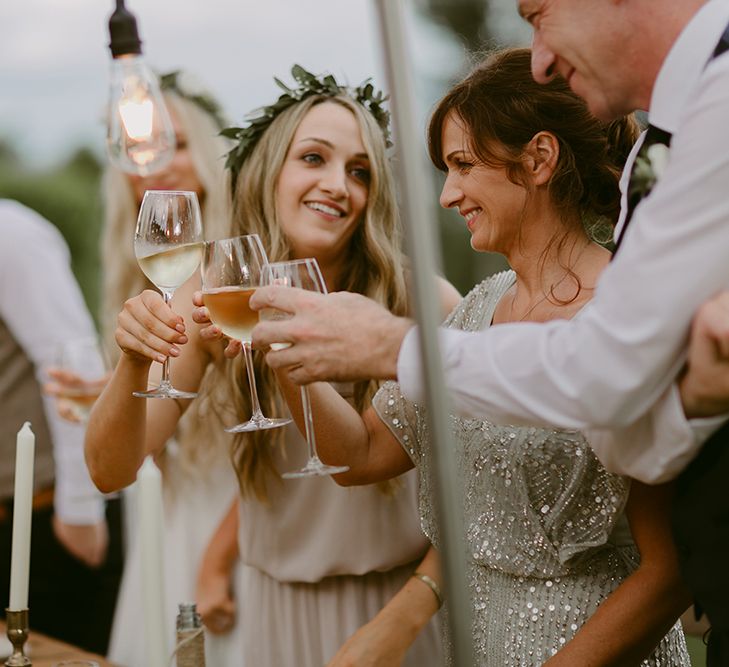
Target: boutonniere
649,167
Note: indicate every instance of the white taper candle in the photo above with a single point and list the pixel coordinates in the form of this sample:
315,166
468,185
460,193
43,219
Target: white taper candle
156,631
22,517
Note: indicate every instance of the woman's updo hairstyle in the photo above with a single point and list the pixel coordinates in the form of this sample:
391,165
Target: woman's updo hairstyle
503,107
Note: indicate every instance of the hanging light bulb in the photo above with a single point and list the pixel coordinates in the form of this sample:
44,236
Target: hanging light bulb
140,136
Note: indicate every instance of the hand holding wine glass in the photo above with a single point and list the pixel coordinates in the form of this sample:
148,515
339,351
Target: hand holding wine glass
210,331
231,273
304,274
168,245
78,376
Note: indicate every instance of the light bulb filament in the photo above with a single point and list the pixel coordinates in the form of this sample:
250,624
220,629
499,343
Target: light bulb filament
140,136
137,116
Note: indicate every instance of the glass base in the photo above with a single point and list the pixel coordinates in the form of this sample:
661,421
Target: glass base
164,391
314,467
258,425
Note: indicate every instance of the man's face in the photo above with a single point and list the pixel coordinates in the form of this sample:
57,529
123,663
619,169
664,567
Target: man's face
583,40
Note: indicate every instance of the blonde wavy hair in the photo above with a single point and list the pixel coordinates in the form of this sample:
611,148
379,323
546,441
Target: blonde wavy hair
375,267
122,277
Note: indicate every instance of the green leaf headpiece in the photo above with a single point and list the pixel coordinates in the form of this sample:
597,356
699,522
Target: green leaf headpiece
307,85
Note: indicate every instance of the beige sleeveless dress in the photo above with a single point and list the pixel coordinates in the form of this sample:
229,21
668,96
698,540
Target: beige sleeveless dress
544,520
320,560
195,503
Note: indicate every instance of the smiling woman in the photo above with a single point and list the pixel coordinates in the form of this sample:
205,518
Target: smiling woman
326,171
318,562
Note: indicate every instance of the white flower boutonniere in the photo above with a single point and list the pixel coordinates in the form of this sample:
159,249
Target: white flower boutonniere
657,155
650,164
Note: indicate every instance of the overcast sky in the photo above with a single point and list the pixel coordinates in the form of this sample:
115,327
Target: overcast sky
54,63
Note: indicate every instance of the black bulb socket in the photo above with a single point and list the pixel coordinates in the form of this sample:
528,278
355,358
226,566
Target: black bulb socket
123,32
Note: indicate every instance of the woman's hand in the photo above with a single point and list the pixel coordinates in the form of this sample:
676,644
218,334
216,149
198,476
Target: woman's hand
215,576
201,315
148,329
215,602
379,643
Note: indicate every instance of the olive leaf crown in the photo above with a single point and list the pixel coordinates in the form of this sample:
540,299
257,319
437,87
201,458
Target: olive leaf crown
309,84
182,84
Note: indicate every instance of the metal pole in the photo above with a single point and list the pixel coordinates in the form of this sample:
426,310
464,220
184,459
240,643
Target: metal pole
420,231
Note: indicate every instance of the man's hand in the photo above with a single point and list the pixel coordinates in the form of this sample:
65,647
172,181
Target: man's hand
201,316
88,543
340,336
70,389
705,384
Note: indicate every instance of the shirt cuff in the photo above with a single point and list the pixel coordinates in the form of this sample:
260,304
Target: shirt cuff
410,367
76,500
78,508
409,370
655,448
674,435
705,427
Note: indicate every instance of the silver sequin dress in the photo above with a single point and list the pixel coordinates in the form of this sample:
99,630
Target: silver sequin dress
545,525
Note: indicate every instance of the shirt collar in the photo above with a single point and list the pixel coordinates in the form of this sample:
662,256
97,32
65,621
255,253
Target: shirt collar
685,62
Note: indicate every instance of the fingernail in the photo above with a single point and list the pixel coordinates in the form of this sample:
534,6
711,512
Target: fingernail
161,358
180,328
175,352
182,339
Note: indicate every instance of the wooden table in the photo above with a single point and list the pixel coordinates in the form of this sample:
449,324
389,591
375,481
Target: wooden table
46,651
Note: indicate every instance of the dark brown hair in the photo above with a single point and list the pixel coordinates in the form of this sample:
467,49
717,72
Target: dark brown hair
503,107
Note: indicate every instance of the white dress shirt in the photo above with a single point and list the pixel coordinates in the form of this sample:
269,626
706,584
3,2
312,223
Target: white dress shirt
42,306
610,371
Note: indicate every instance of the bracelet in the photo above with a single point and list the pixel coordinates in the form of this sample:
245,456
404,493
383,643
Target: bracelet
430,583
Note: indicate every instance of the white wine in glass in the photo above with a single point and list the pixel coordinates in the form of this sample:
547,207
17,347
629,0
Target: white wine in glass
168,269
304,274
231,273
168,245
86,361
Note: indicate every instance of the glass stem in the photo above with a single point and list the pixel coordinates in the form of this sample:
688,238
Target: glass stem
308,423
248,354
167,296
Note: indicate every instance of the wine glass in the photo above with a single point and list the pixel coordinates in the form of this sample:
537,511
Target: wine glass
304,274
231,272
81,369
168,245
